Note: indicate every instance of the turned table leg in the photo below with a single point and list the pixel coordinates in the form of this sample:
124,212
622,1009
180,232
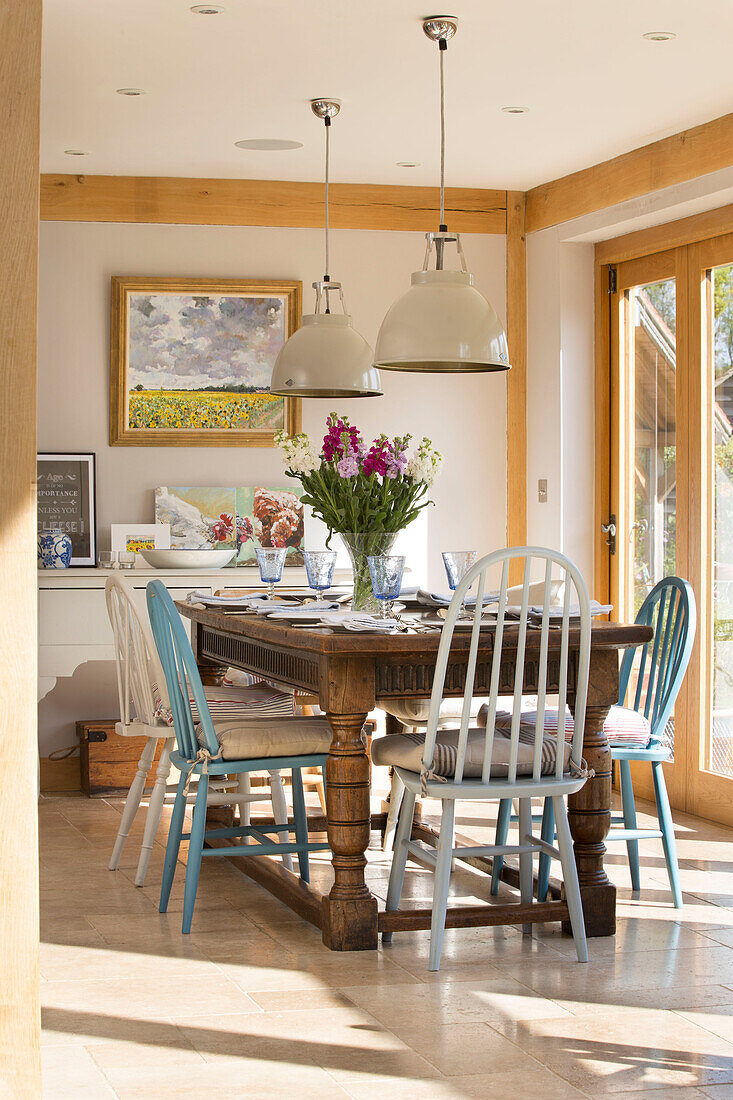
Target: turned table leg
589,813
350,909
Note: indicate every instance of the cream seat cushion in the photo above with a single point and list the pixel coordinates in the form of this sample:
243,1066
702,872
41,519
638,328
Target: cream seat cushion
414,712
265,737
405,750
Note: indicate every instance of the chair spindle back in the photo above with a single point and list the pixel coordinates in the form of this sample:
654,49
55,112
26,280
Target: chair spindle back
511,633
181,673
135,656
671,611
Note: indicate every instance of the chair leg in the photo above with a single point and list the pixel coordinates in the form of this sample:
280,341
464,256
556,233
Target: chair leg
548,835
570,878
195,846
396,791
280,812
399,857
155,808
666,824
244,787
174,843
502,832
301,824
441,886
321,791
629,811
526,881
132,802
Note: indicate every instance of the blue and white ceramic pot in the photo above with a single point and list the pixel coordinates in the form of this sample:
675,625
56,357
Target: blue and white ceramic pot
54,550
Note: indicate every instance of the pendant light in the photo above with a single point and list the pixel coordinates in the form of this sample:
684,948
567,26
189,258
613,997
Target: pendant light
442,325
326,356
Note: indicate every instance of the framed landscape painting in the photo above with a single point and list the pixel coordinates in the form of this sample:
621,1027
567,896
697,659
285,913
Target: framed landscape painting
192,361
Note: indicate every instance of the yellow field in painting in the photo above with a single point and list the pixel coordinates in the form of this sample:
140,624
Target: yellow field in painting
200,410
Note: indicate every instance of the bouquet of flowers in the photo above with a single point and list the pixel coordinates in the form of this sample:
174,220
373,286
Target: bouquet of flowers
367,494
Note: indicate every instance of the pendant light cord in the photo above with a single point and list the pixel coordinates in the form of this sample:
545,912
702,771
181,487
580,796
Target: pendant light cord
442,47
327,120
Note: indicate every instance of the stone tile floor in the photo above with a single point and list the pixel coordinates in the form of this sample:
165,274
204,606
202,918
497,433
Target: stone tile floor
253,1005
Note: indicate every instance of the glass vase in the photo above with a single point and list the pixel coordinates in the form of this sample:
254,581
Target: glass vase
362,545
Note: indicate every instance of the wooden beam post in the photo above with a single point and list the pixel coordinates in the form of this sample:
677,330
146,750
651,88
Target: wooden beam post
516,392
20,82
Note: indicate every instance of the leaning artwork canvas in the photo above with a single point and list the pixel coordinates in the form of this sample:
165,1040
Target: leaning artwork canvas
192,361
269,517
199,518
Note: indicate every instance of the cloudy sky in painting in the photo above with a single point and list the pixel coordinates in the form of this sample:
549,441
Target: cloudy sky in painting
185,341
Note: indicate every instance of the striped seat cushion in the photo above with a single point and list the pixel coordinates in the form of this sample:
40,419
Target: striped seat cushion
405,750
623,727
230,703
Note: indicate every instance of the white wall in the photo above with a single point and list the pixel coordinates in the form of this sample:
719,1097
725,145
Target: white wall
560,395
465,415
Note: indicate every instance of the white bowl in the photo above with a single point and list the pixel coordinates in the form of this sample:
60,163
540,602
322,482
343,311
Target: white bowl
188,559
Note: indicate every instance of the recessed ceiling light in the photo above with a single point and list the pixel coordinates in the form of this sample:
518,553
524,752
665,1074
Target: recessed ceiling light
408,163
515,110
207,9
76,152
130,91
659,36
268,145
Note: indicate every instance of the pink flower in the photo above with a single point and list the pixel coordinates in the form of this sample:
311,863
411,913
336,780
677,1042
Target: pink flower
340,435
348,466
376,461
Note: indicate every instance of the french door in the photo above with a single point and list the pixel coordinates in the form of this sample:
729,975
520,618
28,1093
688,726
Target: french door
668,470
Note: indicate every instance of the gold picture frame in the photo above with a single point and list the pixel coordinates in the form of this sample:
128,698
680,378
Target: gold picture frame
167,343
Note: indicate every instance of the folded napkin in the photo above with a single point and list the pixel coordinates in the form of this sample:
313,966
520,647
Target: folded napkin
556,611
358,622
305,609
436,599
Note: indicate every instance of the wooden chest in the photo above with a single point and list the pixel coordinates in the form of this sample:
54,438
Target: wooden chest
108,762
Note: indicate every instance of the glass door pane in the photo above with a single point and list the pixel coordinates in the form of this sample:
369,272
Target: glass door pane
651,464
653,497
720,740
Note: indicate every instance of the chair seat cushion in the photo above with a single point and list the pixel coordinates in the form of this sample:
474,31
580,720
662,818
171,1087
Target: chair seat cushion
414,712
267,737
623,726
234,703
405,750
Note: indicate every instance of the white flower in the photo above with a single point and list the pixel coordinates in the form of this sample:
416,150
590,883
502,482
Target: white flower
426,464
299,454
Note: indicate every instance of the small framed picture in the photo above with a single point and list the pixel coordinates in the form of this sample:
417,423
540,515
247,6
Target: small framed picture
134,537
66,501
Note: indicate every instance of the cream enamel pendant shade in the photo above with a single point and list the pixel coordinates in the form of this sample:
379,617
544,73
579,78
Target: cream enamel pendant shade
326,356
442,325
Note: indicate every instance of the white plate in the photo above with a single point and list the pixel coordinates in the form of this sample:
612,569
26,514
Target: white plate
188,559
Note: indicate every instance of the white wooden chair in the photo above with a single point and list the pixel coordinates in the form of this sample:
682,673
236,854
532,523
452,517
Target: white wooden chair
489,762
140,680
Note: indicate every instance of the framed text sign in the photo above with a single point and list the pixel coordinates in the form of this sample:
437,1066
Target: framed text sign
66,502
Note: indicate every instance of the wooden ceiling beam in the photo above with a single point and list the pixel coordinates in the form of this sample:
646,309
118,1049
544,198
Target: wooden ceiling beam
183,201
683,156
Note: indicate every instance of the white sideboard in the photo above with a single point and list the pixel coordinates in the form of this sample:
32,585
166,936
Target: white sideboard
76,674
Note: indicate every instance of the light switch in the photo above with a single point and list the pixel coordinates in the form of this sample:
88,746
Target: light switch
542,490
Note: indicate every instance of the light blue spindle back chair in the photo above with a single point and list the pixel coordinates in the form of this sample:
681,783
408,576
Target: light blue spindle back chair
199,752
670,611
485,763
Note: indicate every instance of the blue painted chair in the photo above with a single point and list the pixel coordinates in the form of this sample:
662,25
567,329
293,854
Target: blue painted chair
671,612
225,748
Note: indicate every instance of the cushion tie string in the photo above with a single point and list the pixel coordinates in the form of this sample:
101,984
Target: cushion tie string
203,757
429,776
582,772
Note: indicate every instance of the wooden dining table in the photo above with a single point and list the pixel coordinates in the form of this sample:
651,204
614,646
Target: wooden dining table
350,674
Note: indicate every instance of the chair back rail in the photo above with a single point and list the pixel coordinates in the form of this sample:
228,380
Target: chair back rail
477,575
671,612
181,673
135,656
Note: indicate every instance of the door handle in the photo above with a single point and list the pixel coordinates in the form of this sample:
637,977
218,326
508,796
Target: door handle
610,530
